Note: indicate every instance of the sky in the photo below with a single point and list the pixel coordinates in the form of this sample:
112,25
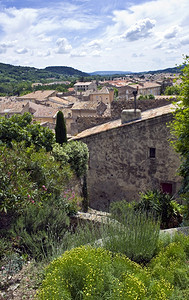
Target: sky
95,35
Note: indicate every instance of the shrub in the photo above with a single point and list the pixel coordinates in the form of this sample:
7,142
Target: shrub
162,205
39,230
171,263
75,153
19,128
136,234
29,177
60,129
90,273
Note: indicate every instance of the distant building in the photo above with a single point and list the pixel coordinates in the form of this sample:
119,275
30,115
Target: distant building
104,95
84,86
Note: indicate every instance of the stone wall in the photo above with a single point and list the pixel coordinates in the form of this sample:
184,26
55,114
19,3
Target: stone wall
120,166
88,122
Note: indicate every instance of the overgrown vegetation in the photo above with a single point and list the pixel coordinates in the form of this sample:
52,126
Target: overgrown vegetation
146,97
180,130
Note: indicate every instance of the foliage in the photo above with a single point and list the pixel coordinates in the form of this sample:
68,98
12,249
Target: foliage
75,153
180,129
65,71
173,90
60,129
19,128
136,234
171,263
144,97
29,177
40,229
90,273
72,201
11,264
162,205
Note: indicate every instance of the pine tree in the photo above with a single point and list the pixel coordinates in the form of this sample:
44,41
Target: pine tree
60,129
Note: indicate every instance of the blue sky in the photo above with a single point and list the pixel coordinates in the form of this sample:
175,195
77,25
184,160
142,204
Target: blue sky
136,35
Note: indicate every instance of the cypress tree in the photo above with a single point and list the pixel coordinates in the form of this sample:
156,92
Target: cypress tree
60,129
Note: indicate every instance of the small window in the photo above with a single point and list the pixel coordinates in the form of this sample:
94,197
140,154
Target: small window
152,153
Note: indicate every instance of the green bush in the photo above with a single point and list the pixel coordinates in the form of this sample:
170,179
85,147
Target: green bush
40,230
29,177
145,97
171,263
163,206
90,273
75,153
19,128
136,234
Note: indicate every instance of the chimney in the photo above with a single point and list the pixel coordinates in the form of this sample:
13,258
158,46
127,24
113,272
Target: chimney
128,115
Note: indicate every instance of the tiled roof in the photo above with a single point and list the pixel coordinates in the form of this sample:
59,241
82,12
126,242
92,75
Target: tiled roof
149,114
89,105
38,95
146,85
67,112
103,90
82,83
59,100
11,107
42,110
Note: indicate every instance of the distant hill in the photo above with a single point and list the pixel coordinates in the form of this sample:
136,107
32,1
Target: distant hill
167,70
102,73
10,73
66,71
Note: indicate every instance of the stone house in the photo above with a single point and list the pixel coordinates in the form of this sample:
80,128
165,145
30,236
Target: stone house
41,113
104,95
129,158
143,88
84,86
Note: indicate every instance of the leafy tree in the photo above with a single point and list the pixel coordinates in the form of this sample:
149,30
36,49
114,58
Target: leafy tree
60,129
180,129
19,128
173,90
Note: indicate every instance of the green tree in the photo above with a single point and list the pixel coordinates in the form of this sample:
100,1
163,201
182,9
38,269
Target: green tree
173,90
19,128
60,129
180,129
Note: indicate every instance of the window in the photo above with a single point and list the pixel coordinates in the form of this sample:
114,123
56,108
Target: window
152,153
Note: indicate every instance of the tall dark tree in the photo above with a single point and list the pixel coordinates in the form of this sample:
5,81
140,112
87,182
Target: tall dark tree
60,129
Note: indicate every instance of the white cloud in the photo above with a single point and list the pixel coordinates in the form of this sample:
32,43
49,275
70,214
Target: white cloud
21,51
2,50
8,44
63,46
141,29
76,53
184,40
172,32
95,44
44,53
